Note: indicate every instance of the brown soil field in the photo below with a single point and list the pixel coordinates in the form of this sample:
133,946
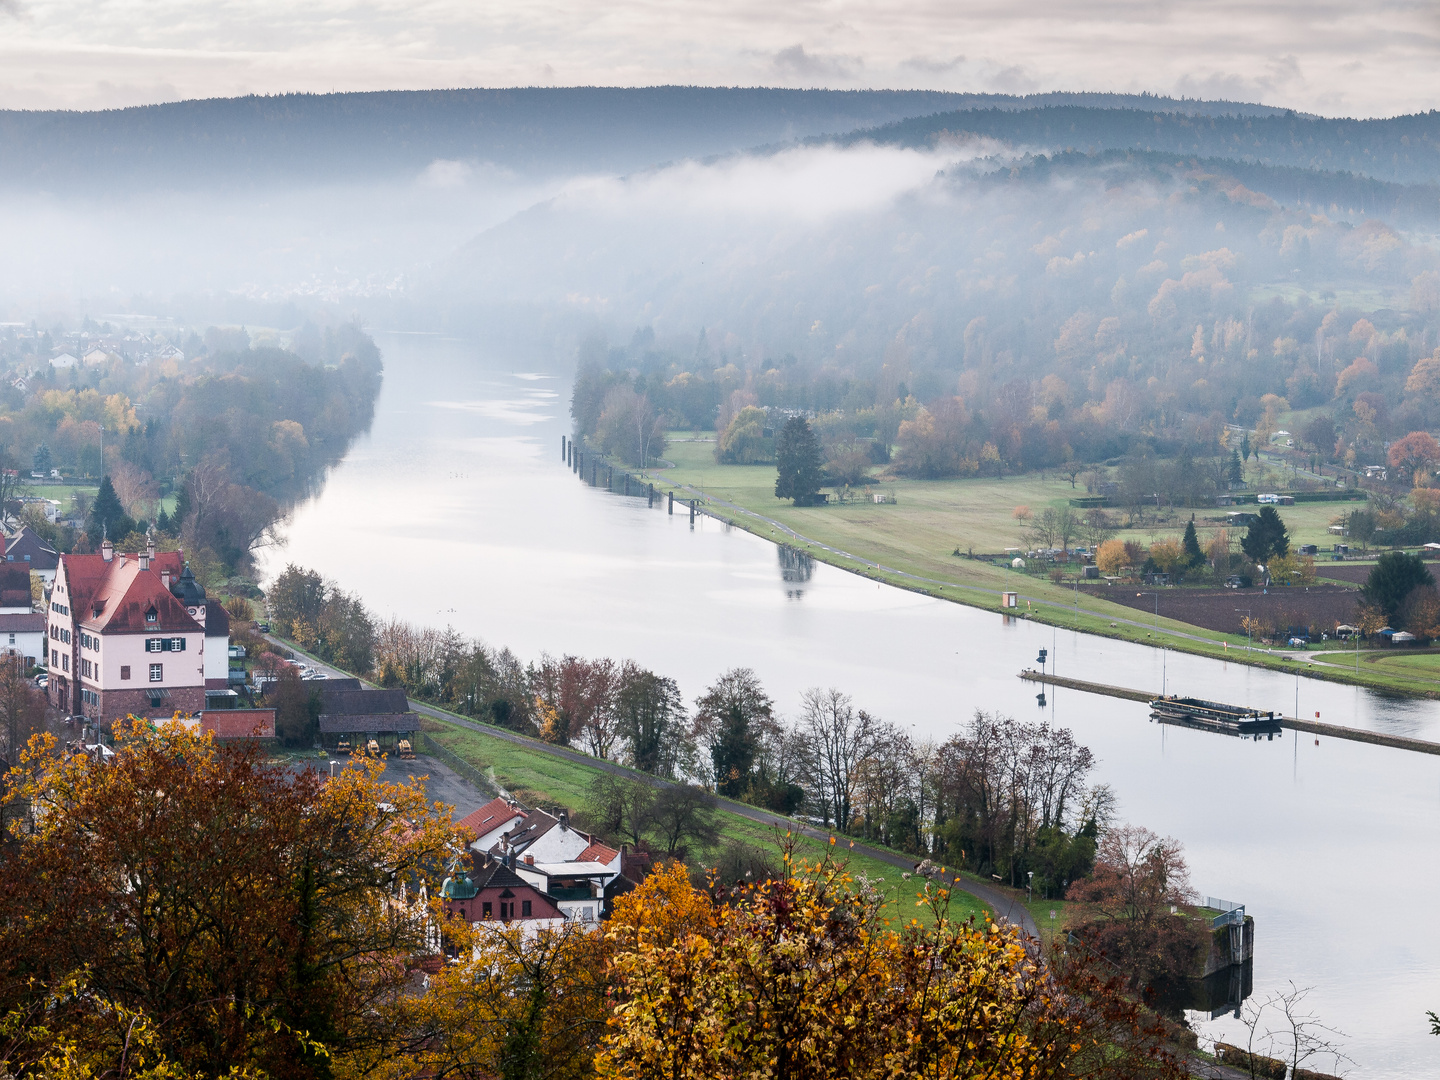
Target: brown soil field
1344,572
1320,607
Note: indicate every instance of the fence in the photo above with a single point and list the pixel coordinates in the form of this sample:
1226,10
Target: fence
458,764
1233,913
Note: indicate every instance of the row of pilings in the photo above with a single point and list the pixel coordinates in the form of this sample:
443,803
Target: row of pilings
592,469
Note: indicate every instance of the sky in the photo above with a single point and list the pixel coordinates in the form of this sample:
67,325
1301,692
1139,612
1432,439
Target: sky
1322,56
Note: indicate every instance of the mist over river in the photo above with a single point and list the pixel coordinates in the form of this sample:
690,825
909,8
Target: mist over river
456,509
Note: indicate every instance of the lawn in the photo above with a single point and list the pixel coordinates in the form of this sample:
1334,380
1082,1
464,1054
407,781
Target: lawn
917,537
533,771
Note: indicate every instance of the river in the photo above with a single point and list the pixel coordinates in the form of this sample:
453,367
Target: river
456,509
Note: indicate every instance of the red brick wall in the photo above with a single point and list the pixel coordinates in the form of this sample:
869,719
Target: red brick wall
239,723
117,704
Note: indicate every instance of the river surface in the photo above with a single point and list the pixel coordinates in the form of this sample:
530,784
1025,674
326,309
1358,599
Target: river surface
456,509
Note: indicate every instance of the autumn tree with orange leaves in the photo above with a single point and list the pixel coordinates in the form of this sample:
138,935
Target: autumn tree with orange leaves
195,900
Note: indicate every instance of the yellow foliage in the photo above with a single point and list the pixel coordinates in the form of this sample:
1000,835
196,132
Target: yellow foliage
1110,557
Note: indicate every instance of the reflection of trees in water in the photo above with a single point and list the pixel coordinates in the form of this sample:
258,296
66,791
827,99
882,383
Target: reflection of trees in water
795,566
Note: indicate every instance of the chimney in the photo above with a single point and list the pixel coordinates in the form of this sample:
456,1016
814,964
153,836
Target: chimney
564,819
165,578
149,546
529,860
107,550
145,560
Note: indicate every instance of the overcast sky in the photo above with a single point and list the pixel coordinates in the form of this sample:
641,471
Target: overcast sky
1362,59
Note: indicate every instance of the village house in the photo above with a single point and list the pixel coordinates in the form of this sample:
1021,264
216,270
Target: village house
26,548
127,636
22,630
492,821
492,892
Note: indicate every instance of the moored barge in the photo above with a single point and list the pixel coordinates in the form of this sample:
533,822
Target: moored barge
1214,716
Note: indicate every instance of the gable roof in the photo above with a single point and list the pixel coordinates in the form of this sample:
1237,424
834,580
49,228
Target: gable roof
84,574
490,816
14,585
121,600
343,701
535,825
598,853
27,542
217,620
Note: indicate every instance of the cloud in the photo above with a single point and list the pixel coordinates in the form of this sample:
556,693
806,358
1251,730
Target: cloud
795,61
932,66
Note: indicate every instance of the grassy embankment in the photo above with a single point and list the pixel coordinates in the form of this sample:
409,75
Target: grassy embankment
568,783
915,539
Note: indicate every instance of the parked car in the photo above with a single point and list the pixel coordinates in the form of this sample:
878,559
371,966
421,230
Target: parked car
42,680
263,627
1235,581
315,675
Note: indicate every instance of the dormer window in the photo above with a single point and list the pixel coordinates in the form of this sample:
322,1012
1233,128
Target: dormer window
152,616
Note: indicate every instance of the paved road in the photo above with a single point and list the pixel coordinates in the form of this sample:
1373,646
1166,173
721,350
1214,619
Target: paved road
1003,906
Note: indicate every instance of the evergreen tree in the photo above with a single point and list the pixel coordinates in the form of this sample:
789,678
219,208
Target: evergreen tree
107,516
799,463
1193,555
1266,537
1235,474
1395,576
1245,449
182,508
44,462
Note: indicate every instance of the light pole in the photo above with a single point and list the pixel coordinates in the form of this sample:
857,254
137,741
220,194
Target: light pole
333,763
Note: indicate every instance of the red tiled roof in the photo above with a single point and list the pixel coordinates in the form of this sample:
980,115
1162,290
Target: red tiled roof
124,597
597,852
86,573
489,816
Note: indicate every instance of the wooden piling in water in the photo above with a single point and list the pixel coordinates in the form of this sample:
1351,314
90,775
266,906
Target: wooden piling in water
692,511
1313,727
670,495
562,448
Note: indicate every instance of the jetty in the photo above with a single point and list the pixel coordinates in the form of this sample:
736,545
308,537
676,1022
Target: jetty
1294,723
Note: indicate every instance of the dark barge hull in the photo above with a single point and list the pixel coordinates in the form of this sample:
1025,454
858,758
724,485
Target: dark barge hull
1213,716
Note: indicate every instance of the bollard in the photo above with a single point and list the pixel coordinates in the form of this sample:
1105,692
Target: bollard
670,496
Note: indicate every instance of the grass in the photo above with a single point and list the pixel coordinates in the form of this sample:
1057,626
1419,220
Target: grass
566,782
916,537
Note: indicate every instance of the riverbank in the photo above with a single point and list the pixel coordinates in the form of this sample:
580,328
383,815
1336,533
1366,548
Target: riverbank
915,552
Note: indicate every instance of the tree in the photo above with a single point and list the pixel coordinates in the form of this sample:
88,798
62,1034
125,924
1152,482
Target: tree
1097,527
649,711
1361,525
1110,557
1415,456
1191,545
1234,471
729,718
837,738
297,594
801,977
1320,434
1168,556
256,916
43,461
630,427
743,442
1138,877
1395,575
1266,536
107,516
799,463
681,815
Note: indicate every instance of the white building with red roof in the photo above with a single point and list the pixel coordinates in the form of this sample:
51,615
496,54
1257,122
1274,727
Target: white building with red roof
122,640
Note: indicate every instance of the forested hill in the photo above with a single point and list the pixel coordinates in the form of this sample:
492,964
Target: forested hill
1402,149
289,138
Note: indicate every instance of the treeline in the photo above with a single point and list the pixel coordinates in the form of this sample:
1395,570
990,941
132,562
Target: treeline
1001,797
234,435
1150,326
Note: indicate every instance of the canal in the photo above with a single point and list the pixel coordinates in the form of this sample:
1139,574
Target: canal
456,510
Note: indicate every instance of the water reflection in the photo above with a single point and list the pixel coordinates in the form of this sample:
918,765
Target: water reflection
466,516
796,566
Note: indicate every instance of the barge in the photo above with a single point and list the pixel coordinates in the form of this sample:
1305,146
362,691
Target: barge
1213,716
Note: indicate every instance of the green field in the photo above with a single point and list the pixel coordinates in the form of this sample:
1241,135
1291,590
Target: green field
533,771
916,537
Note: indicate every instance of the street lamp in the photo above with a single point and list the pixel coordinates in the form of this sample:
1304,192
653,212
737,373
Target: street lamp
1030,886
333,763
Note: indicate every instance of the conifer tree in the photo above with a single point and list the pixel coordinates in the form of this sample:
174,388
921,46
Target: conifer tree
1191,544
799,463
